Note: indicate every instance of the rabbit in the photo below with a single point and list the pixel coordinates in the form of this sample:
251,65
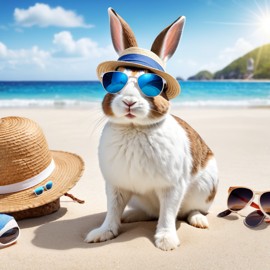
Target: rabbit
152,161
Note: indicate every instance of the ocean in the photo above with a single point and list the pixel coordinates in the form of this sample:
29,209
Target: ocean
84,93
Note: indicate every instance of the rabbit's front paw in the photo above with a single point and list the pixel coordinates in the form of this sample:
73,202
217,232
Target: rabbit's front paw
167,240
100,235
198,220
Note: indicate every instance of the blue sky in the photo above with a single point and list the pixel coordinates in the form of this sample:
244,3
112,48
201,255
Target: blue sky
66,39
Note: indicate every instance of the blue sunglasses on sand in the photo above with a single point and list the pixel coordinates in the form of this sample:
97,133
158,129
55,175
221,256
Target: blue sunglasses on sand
9,230
150,84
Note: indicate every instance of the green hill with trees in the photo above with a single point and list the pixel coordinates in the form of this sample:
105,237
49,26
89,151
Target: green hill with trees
238,68
202,75
253,65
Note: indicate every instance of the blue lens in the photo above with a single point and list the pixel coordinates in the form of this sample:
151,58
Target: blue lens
39,190
114,81
49,185
151,84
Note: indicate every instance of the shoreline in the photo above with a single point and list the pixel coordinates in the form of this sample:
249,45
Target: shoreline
97,81
230,80
65,104
77,94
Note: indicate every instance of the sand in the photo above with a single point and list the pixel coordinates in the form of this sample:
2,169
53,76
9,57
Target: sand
240,140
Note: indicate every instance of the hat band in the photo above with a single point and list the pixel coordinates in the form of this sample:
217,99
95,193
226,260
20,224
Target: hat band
141,60
28,182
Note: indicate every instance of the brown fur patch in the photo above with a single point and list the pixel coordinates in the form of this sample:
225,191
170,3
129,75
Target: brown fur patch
212,195
128,36
106,104
122,69
171,41
157,44
160,106
200,152
133,70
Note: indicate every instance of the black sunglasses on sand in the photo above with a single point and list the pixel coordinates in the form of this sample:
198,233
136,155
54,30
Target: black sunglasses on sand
241,197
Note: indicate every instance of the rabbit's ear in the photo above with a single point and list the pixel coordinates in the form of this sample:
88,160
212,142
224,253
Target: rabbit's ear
167,41
122,35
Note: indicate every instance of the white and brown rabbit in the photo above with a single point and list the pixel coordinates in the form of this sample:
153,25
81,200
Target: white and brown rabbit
150,159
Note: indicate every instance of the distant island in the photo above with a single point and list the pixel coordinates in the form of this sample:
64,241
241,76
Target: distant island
253,65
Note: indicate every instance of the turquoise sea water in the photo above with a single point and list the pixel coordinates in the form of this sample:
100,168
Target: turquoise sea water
81,94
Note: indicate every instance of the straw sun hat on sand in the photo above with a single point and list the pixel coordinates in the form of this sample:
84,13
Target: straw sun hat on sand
27,163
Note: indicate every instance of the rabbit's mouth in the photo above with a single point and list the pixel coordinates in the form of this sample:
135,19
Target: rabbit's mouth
130,111
130,115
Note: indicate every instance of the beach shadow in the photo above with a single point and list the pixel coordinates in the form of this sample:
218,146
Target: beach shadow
231,217
261,227
69,234
38,221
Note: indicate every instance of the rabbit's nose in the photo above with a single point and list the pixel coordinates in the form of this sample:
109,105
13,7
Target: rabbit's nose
129,104
129,101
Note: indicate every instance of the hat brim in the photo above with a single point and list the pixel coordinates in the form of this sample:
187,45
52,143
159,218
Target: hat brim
173,87
68,170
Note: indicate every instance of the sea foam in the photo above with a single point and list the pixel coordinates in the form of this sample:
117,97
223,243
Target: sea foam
75,103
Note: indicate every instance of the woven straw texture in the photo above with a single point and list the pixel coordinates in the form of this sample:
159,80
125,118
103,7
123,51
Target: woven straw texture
173,87
40,211
24,153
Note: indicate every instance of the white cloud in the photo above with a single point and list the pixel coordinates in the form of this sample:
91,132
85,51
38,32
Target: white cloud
240,48
84,47
68,59
23,57
3,50
43,15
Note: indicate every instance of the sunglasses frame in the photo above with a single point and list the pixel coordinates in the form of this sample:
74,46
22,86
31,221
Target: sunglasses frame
133,77
249,203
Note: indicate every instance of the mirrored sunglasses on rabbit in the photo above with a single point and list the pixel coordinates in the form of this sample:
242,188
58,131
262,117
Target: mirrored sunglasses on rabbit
150,84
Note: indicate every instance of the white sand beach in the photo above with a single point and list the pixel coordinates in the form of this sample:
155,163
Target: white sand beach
240,140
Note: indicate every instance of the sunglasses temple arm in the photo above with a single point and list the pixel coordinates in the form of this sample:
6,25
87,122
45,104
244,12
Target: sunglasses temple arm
224,213
255,205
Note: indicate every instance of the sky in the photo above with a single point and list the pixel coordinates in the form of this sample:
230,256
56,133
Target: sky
67,39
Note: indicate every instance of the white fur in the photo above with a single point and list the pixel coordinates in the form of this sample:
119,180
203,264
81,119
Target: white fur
151,164
132,93
148,159
140,159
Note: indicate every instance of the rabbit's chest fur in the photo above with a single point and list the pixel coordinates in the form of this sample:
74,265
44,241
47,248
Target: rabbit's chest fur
141,159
